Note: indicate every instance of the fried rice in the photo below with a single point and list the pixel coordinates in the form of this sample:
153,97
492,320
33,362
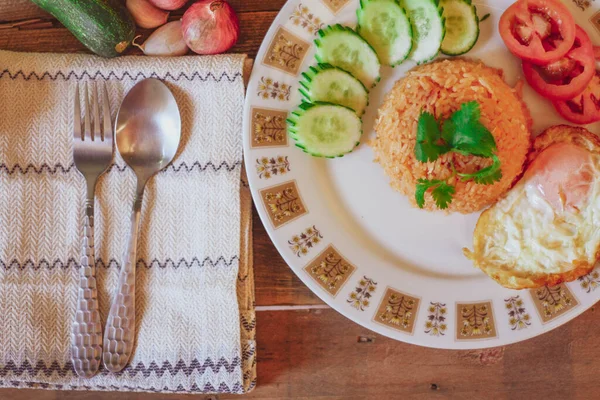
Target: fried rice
440,88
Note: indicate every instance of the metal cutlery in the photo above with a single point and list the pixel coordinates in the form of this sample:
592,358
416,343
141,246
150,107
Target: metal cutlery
148,130
92,153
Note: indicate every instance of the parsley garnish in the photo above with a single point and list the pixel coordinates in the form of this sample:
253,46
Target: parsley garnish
428,146
462,133
487,175
442,192
466,135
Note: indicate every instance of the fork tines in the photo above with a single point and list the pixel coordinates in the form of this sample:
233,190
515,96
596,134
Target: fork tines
94,128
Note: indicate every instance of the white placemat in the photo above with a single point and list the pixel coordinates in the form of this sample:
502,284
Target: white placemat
195,324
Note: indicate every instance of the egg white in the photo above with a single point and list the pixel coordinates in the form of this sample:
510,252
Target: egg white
522,238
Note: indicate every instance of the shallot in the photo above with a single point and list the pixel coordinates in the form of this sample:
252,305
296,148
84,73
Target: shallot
145,14
169,4
210,27
165,41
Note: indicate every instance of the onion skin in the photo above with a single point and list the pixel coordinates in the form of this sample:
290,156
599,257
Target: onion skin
210,27
168,4
165,41
145,14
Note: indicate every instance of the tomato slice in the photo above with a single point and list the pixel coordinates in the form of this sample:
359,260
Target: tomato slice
585,108
568,76
538,31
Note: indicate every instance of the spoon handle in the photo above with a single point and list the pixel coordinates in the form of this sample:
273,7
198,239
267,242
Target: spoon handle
86,331
119,333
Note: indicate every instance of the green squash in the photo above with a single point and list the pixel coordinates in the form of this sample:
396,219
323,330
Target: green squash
103,26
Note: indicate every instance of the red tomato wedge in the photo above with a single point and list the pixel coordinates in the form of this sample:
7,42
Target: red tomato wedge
568,76
538,31
583,109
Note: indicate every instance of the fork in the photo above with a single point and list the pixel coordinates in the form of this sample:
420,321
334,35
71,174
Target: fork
92,153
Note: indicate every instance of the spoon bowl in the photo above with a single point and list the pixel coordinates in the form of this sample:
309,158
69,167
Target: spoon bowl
148,128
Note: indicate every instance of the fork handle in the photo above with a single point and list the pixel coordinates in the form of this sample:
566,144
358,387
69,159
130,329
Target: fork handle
86,330
119,334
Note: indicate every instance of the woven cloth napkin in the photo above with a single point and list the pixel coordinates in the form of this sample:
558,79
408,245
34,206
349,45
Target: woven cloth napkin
194,285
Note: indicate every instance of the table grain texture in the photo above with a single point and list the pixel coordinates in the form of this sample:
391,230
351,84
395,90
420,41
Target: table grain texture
307,350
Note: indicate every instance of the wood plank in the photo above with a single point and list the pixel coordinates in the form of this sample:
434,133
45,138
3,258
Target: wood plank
317,354
16,10
253,27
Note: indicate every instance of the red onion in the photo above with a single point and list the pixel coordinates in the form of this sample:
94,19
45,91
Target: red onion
168,4
210,27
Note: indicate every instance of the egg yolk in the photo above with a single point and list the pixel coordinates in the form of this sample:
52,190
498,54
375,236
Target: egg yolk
563,175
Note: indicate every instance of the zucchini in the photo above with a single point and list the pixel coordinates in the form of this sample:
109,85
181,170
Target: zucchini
325,129
462,27
342,47
334,85
385,25
103,26
428,28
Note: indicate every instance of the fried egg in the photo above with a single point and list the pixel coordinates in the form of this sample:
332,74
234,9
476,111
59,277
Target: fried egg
545,230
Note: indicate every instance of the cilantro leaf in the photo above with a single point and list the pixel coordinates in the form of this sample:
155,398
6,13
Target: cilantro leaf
442,192
428,147
487,175
423,185
465,134
462,133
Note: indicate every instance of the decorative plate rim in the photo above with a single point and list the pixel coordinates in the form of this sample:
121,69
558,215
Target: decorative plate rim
532,316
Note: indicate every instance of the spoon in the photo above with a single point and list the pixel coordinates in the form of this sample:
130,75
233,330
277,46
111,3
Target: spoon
148,130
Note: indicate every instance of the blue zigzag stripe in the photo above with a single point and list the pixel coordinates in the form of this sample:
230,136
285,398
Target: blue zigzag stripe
113,75
67,369
59,168
208,388
112,263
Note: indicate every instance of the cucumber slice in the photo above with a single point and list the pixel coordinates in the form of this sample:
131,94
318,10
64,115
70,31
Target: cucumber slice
334,85
428,28
462,27
385,25
341,47
324,129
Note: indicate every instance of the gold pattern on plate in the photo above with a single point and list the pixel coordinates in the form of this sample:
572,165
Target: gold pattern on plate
302,16
436,319
360,298
286,52
267,167
552,302
590,282
302,243
269,88
335,5
518,317
398,310
595,20
583,4
283,203
475,321
269,128
330,270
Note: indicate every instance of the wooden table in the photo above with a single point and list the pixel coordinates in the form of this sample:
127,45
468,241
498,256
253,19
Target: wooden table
305,349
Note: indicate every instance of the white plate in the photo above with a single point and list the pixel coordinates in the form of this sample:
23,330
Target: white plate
394,269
